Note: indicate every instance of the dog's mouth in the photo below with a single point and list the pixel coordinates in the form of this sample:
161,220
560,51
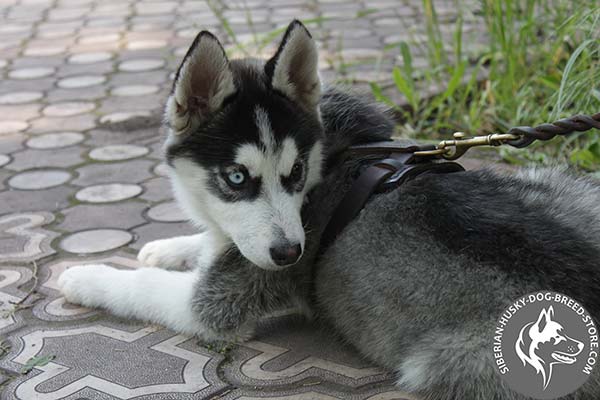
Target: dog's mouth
563,358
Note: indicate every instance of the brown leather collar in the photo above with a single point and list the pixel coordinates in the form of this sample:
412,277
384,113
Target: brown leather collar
397,165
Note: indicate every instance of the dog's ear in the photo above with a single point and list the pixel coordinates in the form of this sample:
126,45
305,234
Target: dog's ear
544,318
202,83
294,70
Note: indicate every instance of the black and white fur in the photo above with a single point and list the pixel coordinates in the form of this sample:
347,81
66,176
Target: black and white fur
415,282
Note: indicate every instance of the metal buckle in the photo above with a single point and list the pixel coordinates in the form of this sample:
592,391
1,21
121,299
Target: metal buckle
461,144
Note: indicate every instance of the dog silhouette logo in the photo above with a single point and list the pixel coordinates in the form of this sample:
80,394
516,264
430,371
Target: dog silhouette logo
544,343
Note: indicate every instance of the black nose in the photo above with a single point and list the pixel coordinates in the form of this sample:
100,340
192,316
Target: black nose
285,253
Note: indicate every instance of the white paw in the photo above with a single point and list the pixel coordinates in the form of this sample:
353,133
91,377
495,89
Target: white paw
85,284
165,253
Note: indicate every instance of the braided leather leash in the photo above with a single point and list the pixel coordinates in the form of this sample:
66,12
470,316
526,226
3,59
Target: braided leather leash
520,136
398,164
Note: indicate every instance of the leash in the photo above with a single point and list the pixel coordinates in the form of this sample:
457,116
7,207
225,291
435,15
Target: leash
519,137
397,164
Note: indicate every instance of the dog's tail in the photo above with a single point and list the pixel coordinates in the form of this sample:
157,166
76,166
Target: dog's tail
459,366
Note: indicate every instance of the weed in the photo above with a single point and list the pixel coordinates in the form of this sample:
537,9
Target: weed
541,63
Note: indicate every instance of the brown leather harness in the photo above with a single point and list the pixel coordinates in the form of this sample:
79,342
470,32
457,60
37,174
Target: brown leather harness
400,164
395,165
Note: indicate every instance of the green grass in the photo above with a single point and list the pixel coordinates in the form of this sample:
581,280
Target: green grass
541,63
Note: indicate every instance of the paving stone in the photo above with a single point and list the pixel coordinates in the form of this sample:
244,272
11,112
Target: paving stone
14,28
68,109
36,62
55,140
128,172
120,134
92,93
287,351
67,14
118,152
12,142
141,65
81,81
134,90
146,44
55,32
95,241
70,70
360,54
158,189
161,7
91,216
90,58
114,21
20,97
24,200
162,169
108,193
30,85
142,104
161,230
21,112
44,51
139,78
58,158
167,212
111,47
22,238
34,180
99,39
8,126
175,366
123,116
77,123
4,159
158,149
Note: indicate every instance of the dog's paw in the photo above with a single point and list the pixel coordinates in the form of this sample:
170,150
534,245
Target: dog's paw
165,253
239,335
83,284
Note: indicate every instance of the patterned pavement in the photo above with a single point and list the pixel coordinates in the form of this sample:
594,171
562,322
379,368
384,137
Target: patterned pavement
81,181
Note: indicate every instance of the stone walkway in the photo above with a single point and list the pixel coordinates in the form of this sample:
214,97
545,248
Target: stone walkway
81,181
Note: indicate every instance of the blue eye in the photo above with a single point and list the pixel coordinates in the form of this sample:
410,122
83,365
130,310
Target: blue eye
236,178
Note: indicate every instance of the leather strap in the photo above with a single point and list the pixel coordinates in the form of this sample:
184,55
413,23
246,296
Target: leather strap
381,176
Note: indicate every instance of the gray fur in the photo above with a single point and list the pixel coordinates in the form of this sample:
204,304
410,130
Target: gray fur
399,294
415,282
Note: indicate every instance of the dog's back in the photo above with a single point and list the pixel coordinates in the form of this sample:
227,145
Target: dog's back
429,267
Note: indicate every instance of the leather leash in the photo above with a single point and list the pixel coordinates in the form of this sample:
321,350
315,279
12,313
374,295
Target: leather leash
398,165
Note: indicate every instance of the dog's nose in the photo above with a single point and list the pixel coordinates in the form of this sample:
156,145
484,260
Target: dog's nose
285,253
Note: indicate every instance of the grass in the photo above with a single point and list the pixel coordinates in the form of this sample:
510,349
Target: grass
541,63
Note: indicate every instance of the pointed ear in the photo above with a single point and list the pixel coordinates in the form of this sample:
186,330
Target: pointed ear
293,70
202,83
544,318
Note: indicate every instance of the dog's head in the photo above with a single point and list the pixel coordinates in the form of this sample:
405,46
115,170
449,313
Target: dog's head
245,143
544,343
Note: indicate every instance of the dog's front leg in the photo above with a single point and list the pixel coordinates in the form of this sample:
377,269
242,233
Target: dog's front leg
173,299
223,301
196,250
154,295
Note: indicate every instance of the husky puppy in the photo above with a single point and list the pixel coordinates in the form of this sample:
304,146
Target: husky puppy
416,282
